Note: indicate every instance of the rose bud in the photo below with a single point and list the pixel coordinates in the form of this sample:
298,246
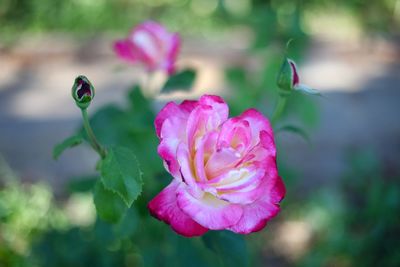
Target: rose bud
82,91
288,79
224,169
152,45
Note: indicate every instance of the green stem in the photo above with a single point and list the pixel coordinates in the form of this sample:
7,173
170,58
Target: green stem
280,107
92,138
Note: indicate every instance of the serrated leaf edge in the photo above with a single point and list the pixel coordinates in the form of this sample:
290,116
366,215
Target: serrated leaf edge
118,193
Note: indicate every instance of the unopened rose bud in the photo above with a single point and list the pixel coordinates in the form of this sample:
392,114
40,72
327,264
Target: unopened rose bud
288,79
82,91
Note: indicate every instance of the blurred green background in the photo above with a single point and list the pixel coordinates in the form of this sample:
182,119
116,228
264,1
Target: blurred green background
338,155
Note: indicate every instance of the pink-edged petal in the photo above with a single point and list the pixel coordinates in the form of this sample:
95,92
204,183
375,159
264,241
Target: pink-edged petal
155,29
204,148
188,105
278,192
164,207
244,197
295,75
262,153
123,49
159,47
217,104
151,44
170,125
242,180
258,122
171,110
188,174
209,211
147,42
208,115
146,49
256,215
220,162
235,133
167,151
253,192
267,142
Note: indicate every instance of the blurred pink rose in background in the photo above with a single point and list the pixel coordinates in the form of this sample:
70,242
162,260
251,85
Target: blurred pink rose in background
224,169
152,45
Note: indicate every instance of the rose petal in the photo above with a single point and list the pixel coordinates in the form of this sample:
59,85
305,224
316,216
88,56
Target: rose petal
241,180
188,175
209,211
251,193
235,133
171,110
146,47
257,123
151,44
170,125
164,207
221,161
257,214
261,153
204,148
208,115
151,41
123,49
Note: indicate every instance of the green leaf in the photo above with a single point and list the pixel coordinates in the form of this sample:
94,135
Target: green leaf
130,128
67,143
229,247
138,102
82,183
128,225
295,130
109,205
120,173
181,81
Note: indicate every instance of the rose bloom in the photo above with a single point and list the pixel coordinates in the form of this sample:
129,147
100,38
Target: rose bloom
224,169
152,45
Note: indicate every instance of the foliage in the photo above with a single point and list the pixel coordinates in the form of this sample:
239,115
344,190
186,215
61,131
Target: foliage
120,173
229,247
283,18
361,225
26,212
182,80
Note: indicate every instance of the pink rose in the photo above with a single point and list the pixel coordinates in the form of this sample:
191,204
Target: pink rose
152,45
225,174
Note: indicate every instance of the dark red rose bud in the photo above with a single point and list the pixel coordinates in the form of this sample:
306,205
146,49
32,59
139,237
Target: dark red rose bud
82,91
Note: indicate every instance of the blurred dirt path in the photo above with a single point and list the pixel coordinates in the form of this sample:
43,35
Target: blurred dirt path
361,108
